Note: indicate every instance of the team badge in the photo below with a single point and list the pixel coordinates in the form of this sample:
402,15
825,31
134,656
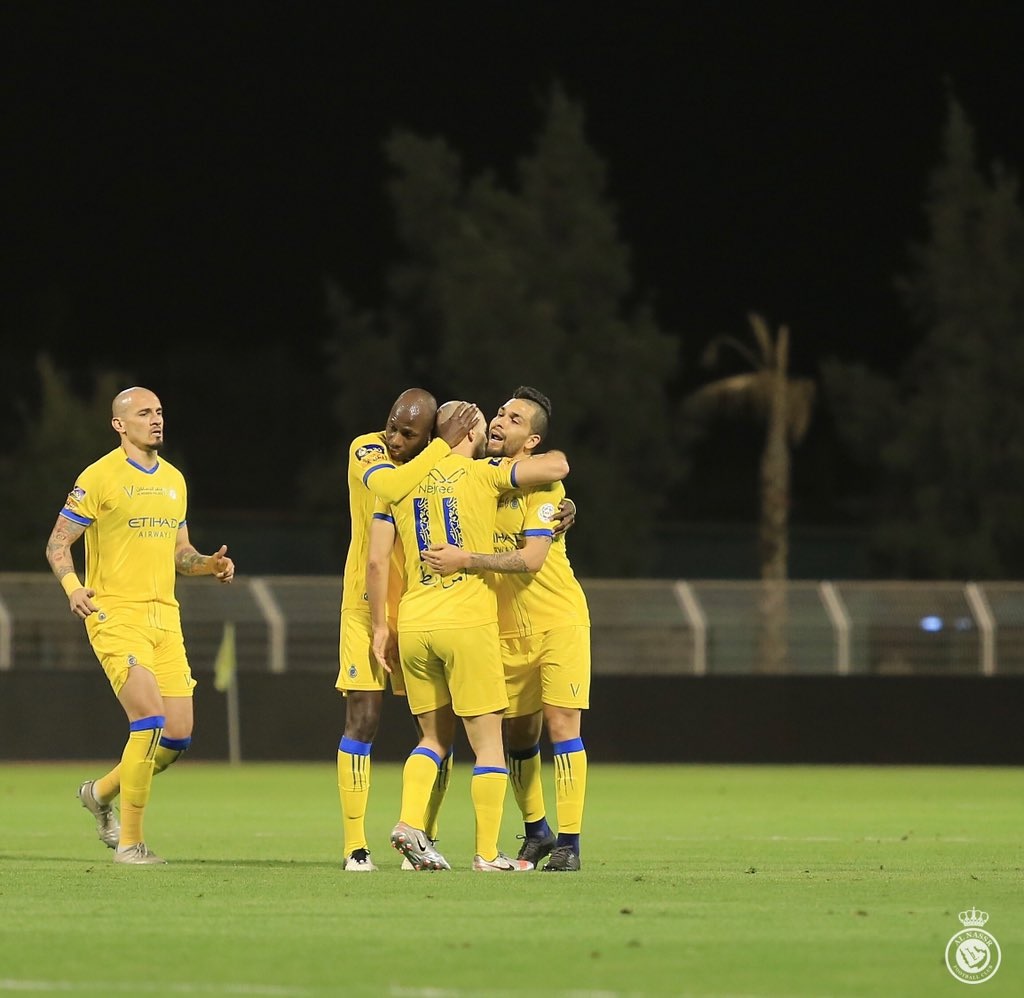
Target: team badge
370,452
352,671
973,955
547,512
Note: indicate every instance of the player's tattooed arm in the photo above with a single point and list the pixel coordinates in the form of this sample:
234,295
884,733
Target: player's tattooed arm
58,547
58,553
188,561
505,561
447,558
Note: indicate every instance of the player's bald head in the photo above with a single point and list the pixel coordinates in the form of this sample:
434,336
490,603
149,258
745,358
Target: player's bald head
447,409
415,405
131,398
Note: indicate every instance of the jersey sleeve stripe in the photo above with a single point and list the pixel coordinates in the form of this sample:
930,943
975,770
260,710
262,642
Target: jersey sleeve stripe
376,467
83,520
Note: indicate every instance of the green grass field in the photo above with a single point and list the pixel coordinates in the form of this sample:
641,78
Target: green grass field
696,880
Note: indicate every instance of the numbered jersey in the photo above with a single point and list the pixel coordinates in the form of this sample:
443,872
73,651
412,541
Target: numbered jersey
551,597
456,503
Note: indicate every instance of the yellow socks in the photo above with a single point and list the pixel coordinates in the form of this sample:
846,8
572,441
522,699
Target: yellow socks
525,777
137,775
487,788
107,787
354,790
419,775
570,759
440,788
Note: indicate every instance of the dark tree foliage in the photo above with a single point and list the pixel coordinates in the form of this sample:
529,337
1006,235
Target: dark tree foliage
526,283
64,435
948,434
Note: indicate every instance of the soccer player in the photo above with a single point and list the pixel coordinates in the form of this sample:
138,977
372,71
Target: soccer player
131,507
386,464
448,642
545,637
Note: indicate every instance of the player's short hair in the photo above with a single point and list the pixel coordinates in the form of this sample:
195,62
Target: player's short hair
542,414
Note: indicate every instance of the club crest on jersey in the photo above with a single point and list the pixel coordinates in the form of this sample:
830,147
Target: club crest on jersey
547,512
132,660
370,452
352,671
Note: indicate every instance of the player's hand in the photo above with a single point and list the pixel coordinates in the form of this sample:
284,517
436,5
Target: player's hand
565,516
81,602
455,428
222,568
445,558
385,647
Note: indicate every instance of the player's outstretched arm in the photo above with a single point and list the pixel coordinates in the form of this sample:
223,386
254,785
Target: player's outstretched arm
188,561
540,469
392,484
448,559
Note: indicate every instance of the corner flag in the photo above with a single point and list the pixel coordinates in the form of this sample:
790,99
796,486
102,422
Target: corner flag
226,662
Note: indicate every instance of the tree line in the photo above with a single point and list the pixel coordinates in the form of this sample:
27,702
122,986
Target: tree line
527,279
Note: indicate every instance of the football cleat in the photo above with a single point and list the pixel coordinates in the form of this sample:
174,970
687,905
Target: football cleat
108,828
501,864
562,860
535,848
137,855
414,845
358,861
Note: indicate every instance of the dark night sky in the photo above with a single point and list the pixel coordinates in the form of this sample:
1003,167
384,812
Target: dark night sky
178,178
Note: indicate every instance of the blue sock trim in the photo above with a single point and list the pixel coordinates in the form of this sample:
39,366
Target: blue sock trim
570,745
175,744
353,747
147,723
480,770
570,840
524,753
419,750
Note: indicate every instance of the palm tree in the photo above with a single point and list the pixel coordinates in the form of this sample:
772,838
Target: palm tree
785,404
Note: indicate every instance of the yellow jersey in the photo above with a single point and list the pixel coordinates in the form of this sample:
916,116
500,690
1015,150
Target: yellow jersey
530,603
372,473
456,503
131,517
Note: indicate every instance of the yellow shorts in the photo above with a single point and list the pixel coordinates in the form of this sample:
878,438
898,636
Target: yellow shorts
120,647
550,667
357,668
456,665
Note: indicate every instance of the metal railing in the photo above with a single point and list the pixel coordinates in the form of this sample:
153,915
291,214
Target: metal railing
640,626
